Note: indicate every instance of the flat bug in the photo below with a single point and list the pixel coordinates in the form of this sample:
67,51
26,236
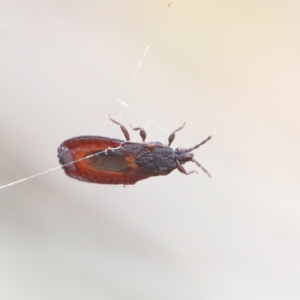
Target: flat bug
111,161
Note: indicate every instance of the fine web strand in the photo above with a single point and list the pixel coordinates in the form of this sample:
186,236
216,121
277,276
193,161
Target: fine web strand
86,79
160,24
52,57
59,167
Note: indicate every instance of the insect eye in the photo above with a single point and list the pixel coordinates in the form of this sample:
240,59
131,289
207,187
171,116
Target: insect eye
178,149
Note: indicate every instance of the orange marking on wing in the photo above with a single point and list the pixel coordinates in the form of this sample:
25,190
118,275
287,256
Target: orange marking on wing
130,160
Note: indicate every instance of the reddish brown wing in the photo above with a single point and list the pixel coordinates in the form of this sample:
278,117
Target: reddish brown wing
115,166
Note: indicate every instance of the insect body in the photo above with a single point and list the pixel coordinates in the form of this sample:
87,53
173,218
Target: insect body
112,161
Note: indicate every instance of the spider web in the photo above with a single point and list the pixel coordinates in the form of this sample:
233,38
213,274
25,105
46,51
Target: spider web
56,60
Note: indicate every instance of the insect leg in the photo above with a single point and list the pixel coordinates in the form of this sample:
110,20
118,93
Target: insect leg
142,132
181,169
172,135
203,169
124,130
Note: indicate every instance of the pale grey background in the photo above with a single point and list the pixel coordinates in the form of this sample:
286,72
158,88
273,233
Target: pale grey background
228,68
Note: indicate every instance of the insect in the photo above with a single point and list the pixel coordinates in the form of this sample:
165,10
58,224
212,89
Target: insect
112,161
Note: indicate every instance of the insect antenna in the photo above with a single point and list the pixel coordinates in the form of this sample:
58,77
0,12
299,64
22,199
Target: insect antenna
203,169
200,144
195,147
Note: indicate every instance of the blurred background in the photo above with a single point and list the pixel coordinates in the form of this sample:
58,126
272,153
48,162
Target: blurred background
230,69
